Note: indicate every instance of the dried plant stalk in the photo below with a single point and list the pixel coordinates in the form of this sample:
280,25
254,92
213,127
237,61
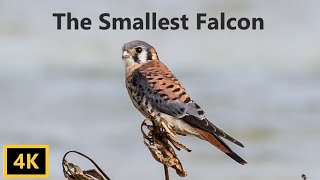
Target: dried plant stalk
157,140
74,172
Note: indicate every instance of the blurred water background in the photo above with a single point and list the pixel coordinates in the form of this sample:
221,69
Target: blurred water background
66,88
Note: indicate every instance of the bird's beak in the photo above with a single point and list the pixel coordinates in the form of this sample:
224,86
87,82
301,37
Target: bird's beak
125,55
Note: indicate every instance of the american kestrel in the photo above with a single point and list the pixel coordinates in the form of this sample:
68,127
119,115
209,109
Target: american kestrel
159,95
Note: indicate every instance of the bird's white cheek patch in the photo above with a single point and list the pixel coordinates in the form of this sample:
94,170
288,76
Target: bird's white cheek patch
143,56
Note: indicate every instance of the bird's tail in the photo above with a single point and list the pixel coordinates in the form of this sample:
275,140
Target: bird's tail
221,145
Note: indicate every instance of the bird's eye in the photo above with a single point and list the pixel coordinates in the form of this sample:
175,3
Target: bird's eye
138,49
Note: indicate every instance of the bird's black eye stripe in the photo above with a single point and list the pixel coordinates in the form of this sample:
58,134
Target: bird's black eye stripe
138,49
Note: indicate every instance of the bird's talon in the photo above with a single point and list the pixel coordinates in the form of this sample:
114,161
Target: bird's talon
167,128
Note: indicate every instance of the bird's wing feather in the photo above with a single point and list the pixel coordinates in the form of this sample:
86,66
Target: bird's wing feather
217,142
167,95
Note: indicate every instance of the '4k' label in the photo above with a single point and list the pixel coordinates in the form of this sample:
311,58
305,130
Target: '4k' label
26,161
30,161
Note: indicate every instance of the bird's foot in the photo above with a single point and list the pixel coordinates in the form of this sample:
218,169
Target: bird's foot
168,128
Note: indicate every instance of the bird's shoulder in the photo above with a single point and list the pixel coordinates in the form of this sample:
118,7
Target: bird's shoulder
162,80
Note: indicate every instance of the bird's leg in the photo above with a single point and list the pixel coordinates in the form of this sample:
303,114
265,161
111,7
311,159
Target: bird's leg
167,127
170,133
164,124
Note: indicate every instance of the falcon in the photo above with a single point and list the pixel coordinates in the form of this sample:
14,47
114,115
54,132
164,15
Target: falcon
159,95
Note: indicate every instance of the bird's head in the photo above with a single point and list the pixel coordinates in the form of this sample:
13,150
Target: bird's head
138,52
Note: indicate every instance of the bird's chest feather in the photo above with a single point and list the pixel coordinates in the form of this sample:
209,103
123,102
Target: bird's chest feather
137,97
